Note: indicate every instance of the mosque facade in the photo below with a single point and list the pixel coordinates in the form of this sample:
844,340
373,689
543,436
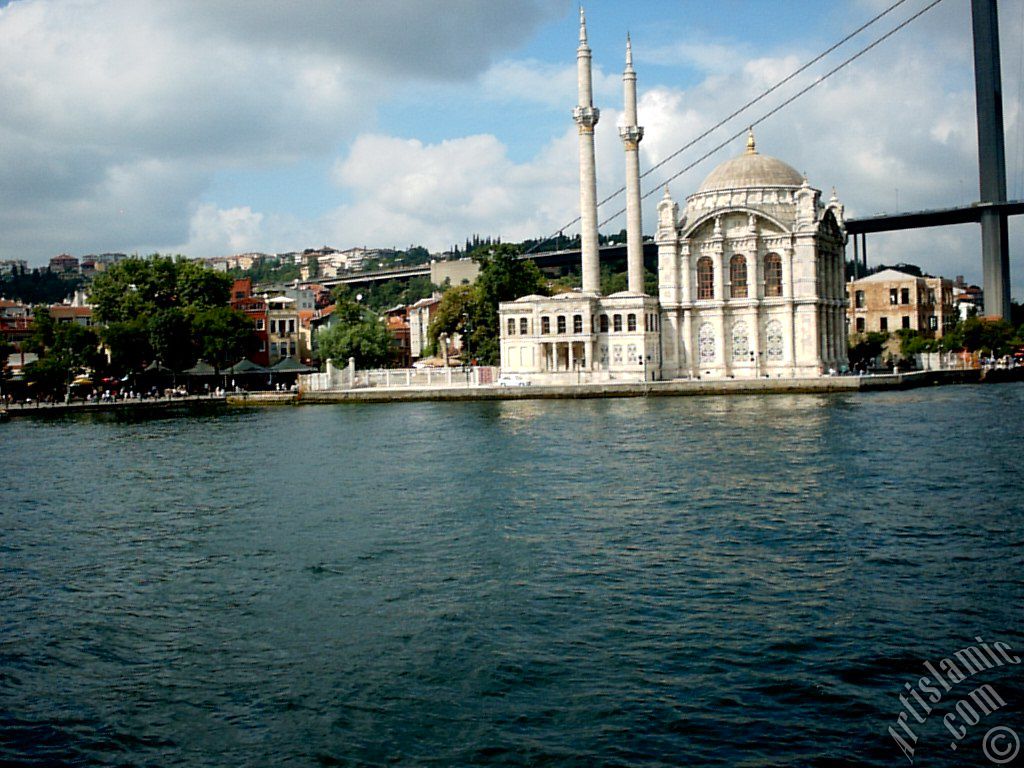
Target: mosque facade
750,276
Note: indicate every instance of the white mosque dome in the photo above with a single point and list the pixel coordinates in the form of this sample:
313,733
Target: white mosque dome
752,170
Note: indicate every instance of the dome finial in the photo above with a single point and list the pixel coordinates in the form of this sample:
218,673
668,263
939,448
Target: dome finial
751,144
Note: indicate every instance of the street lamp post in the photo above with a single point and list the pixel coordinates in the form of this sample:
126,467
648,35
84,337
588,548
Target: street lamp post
469,343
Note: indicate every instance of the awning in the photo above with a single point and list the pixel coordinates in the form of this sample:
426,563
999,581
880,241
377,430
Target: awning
290,365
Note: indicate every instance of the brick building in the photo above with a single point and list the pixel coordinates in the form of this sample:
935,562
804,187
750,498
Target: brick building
255,307
892,300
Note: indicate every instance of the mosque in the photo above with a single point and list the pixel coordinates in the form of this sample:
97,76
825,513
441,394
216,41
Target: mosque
750,276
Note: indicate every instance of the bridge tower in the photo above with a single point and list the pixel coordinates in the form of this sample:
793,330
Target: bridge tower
995,255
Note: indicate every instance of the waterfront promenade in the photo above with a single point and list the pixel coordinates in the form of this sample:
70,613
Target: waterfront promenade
161,405
675,388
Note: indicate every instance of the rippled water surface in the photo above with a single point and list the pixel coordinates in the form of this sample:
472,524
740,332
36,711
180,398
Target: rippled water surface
743,581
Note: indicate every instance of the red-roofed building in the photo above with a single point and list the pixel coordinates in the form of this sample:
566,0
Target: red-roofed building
64,264
397,320
65,313
255,308
15,321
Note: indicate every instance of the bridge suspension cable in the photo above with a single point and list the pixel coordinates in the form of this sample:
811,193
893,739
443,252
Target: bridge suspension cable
782,106
747,106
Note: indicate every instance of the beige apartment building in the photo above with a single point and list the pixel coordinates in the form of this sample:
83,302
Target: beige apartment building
891,300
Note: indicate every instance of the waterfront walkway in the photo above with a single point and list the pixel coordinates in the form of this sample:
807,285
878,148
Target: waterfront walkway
675,388
169,405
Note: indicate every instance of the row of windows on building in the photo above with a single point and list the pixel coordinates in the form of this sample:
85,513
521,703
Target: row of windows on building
599,324
897,296
278,326
739,286
284,349
905,322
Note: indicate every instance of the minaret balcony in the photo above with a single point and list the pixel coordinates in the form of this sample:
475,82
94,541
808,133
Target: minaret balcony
586,116
631,133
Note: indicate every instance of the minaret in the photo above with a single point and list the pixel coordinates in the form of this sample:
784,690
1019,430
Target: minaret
586,116
631,134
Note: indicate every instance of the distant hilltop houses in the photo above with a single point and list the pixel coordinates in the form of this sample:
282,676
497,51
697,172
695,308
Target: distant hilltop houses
312,263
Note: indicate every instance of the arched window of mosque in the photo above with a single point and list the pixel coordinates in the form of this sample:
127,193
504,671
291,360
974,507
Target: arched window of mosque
545,324
773,275
617,323
561,323
705,278
524,326
738,276
604,323
740,341
630,322
511,326
773,339
706,343
577,323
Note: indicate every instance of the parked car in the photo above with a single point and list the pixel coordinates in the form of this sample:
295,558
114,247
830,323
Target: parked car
512,380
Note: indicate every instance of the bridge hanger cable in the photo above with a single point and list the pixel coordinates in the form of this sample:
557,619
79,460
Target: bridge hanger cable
746,106
781,106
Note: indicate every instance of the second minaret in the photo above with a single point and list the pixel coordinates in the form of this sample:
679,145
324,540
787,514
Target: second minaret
586,116
631,134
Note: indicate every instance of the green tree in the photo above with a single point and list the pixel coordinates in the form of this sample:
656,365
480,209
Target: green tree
223,335
455,308
503,277
128,345
367,339
131,289
73,349
977,334
170,338
6,350
43,329
199,287
912,342
164,308
40,286
868,348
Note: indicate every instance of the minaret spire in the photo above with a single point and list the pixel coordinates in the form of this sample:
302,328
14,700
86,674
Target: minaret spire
631,134
586,117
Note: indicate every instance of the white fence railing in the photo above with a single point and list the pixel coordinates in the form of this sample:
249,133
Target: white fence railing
336,379
946,361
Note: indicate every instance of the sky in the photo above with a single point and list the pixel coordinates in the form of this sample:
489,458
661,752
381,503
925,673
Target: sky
212,127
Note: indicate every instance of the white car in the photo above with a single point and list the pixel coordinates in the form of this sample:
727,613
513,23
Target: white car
512,380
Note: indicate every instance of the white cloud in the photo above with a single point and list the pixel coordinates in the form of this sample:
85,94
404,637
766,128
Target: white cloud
705,55
548,84
99,94
405,191
213,231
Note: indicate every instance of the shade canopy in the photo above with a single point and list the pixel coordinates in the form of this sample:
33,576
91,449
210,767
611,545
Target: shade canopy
245,366
289,365
201,368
